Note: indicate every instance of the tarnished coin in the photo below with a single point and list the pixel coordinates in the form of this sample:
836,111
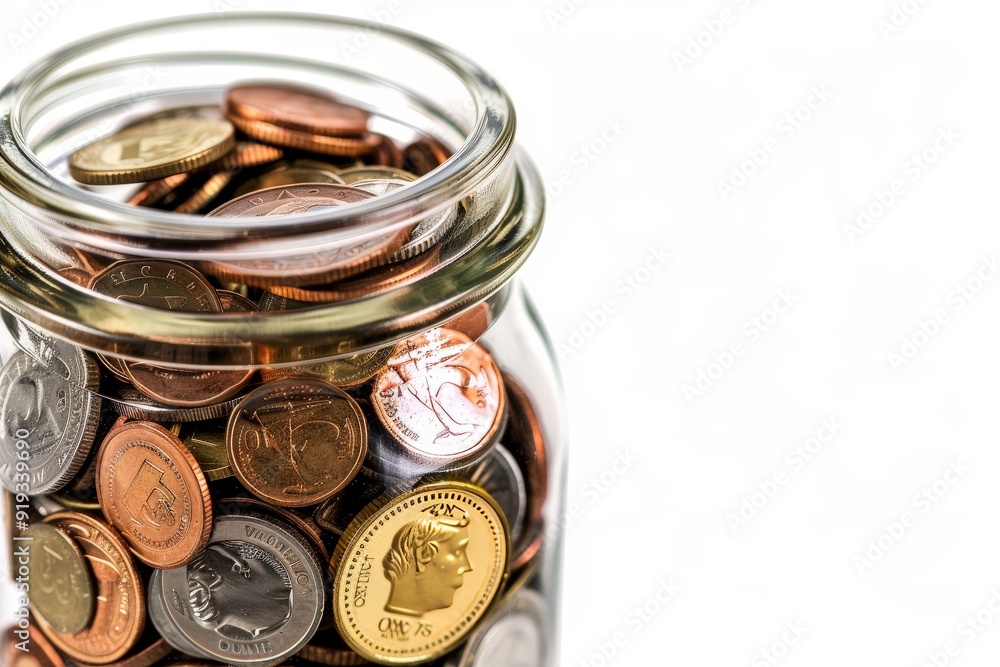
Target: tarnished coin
50,414
193,388
271,133
336,514
152,149
120,611
375,173
158,283
62,592
209,448
128,401
152,490
387,153
517,635
323,263
441,395
296,108
296,441
24,648
424,155
416,572
327,648
253,598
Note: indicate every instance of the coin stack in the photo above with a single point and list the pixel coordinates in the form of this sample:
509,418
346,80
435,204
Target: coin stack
385,507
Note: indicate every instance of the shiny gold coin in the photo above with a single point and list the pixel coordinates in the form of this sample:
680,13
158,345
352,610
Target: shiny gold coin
62,592
415,572
209,450
151,150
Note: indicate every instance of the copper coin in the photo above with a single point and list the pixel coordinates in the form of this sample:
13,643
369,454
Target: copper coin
183,387
205,193
246,154
62,592
152,193
296,109
525,439
158,283
145,656
370,283
152,489
296,441
424,155
290,174
120,611
277,135
387,154
23,648
322,263
441,396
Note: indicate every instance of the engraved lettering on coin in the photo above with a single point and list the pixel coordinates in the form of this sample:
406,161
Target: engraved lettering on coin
441,395
414,572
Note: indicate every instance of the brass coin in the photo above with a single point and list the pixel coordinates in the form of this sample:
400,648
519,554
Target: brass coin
350,372
151,150
441,396
152,490
297,109
62,592
277,135
371,172
415,572
120,611
296,441
205,193
153,192
209,449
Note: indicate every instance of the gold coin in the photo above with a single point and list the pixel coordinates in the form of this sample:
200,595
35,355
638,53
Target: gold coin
151,150
417,570
349,372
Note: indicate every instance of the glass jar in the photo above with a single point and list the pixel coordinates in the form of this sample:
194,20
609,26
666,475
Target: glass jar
478,509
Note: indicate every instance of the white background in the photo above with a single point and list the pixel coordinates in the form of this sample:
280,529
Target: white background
843,547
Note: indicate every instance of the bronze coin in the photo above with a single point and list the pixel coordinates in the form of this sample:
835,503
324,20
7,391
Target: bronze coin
28,650
297,109
120,611
387,154
245,154
152,489
62,592
277,135
183,387
370,283
205,193
296,441
290,174
152,193
526,441
145,656
158,283
441,396
424,155
322,263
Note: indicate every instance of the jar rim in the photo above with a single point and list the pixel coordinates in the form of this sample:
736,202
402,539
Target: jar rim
32,292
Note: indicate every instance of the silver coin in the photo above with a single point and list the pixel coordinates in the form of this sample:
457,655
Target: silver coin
515,636
132,403
50,412
254,597
427,232
156,608
500,475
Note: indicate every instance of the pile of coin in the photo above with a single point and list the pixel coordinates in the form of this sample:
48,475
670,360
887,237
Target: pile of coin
386,507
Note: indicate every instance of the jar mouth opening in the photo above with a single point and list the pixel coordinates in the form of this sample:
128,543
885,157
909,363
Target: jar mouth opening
82,214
